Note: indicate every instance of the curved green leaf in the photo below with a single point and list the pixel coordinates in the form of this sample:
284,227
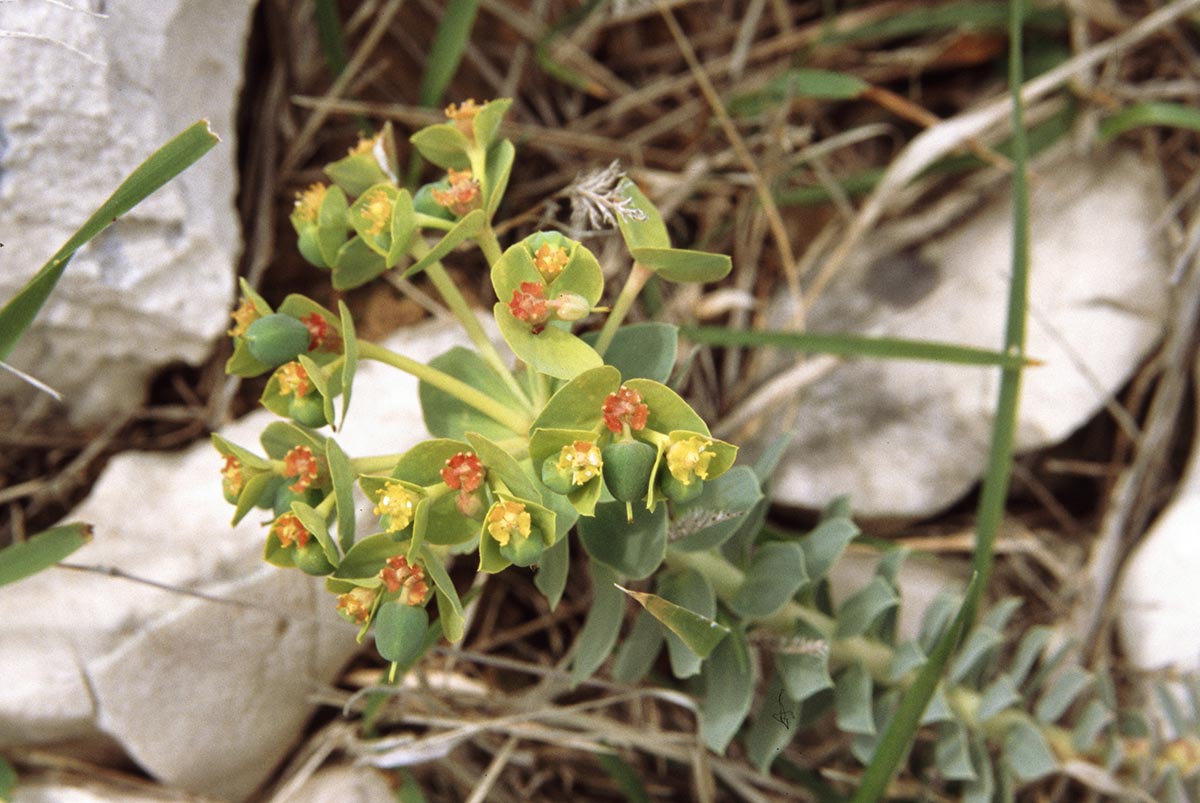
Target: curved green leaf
400,631
633,548
599,634
552,351
681,265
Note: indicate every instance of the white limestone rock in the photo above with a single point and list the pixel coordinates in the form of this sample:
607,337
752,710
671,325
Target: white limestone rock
80,107
344,784
906,438
1158,608
205,696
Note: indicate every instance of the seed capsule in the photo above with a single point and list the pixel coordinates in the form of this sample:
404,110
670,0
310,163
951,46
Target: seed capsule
276,339
627,467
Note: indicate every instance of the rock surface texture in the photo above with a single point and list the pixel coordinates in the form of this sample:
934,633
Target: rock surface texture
907,439
84,98
206,693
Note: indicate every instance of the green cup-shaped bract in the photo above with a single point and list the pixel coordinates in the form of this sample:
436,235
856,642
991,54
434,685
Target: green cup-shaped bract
311,559
524,551
676,491
308,410
276,339
627,467
284,496
555,478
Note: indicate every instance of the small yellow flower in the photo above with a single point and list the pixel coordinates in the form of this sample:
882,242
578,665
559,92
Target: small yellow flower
582,459
507,517
463,195
364,145
288,529
550,261
243,316
308,202
377,212
356,603
463,116
689,458
398,504
231,477
292,379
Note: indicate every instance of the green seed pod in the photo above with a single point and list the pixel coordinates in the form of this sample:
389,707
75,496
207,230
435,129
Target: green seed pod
308,410
284,496
524,551
555,478
276,339
627,467
266,499
676,491
311,559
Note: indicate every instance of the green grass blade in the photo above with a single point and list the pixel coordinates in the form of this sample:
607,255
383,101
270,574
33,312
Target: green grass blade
851,345
329,32
446,52
1000,452
894,743
41,551
1170,115
163,165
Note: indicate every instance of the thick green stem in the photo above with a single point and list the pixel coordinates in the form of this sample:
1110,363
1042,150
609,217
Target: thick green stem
489,245
374,464
638,276
458,305
516,421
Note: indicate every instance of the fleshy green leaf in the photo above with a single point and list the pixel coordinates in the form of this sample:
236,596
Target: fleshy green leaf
578,403
551,577
908,657
776,573
350,349
280,437
774,725
500,464
647,232
343,491
1032,645
858,613
680,265
599,634
499,167
728,692
696,629
952,753
41,551
356,264
1095,718
1062,691
364,560
713,517
552,351
444,145
852,696
450,608
447,417
634,549
332,225
999,695
400,631
639,649
644,350
983,788
824,545
471,224
668,411
1027,754
803,666
981,646
317,526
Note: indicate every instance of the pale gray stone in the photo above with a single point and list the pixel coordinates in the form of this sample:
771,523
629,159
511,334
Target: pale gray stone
1158,608
908,438
79,109
343,784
